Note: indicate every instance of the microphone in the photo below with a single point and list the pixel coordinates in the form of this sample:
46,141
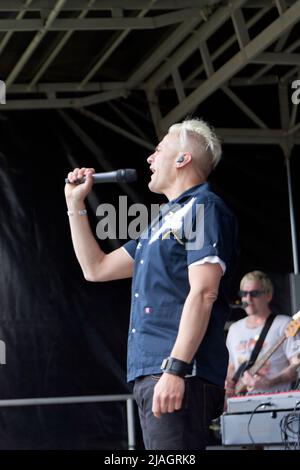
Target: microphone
239,305
126,175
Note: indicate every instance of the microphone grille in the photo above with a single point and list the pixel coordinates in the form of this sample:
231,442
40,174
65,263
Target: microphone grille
127,175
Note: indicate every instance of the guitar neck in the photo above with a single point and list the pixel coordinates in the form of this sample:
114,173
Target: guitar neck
263,359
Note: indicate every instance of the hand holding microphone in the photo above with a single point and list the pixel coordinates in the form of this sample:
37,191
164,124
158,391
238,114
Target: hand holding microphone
126,175
81,180
75,191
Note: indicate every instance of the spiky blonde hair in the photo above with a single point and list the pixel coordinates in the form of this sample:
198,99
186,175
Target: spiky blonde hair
198,137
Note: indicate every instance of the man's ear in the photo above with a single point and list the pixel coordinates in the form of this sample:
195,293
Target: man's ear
269,296
183,159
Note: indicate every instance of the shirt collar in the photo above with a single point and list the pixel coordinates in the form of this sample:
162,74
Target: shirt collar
197,189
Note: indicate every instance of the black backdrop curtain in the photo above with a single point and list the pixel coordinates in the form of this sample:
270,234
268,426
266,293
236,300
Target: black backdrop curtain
63,336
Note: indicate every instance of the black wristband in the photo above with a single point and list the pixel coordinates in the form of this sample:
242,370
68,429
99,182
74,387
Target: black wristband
175,366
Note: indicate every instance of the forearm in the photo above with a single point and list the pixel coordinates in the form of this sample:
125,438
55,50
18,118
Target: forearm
193,325
289,374
169,390
229,383
86,248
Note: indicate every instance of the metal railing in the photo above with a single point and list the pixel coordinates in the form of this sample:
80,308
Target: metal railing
81,399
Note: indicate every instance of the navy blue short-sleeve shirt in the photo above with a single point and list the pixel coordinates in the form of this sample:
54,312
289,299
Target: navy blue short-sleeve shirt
188,229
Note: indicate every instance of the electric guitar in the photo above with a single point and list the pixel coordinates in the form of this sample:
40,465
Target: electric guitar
291,330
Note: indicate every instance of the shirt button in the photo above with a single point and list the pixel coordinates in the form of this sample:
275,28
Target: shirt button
142,261
136,294
133,330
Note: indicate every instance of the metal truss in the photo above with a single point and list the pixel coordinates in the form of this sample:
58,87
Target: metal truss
193,51
206,46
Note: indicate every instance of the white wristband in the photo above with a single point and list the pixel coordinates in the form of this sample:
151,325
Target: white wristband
81,212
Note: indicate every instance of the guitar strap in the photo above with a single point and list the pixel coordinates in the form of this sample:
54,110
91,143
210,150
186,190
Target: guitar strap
247,364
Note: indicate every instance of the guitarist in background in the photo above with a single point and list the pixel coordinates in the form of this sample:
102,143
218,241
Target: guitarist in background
280,371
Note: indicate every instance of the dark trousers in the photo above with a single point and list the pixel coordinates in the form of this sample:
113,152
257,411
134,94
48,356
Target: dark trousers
185,429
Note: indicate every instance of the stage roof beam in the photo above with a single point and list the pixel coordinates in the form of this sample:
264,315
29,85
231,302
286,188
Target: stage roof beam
236,63
35,42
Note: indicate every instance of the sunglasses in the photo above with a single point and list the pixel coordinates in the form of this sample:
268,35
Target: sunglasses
252,293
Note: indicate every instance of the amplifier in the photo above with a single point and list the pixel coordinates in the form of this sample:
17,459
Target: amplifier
259,428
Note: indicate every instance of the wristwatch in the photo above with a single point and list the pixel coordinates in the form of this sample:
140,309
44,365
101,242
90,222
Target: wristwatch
175,366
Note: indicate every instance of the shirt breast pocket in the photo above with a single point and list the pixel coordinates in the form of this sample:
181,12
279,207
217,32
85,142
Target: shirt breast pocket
159,329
